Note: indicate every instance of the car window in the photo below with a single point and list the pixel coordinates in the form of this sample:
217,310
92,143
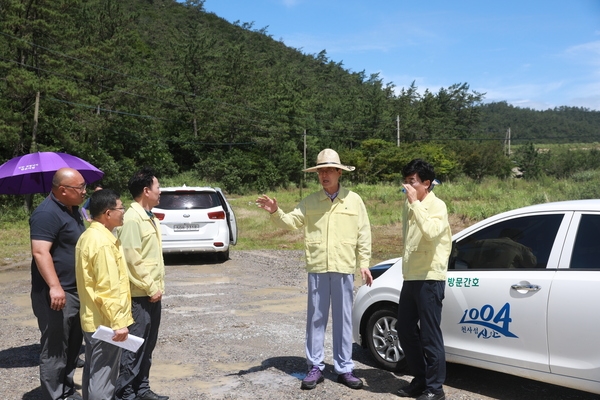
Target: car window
188,200
586,251
523,242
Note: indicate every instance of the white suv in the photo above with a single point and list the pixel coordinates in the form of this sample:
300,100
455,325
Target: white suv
196,219
522,297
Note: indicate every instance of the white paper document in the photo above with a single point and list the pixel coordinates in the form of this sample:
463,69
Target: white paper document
132,343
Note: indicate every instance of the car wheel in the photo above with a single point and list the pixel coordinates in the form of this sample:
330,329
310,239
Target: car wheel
382,339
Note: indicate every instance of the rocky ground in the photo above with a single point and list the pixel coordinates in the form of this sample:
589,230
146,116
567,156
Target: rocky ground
235,330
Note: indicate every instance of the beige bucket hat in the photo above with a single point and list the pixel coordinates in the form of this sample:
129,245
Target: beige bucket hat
329,159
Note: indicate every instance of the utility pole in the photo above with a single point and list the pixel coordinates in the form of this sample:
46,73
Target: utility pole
36,112
305,149
398,130
304,174
28,200
507,142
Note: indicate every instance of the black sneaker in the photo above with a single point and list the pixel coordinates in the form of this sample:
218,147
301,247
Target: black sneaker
150,395
314,377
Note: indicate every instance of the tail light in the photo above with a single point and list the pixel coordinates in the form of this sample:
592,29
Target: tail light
216,215
160,216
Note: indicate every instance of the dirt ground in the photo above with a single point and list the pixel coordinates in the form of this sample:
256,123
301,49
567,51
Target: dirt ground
236,331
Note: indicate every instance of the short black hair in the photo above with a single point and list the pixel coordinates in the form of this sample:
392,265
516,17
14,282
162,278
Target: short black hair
140,180
102,200
420,167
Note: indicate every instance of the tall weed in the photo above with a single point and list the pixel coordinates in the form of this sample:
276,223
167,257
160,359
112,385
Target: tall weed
467,200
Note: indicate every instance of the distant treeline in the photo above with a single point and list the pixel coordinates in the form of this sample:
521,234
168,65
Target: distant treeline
156,82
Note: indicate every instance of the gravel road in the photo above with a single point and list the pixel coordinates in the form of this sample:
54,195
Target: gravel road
235,330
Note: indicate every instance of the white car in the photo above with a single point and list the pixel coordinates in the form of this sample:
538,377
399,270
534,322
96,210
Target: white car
522,297
196,219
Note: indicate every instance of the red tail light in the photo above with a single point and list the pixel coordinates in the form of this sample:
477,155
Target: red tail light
216,215
160,216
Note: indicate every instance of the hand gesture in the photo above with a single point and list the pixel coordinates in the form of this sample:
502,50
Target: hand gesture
411,192
266,203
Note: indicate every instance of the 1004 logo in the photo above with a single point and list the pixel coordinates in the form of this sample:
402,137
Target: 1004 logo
498,323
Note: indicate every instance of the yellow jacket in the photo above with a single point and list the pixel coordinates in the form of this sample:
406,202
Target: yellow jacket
102,281
427,239
337,234
142,244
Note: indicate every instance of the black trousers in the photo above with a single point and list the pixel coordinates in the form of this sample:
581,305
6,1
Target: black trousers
61,340
420,334
134,371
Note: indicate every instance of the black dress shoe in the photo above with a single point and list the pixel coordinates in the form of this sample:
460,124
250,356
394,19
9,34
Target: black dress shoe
410,390
74,396
150,395
432,396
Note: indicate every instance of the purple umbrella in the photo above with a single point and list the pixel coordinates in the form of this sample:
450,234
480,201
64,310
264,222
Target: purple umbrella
32,173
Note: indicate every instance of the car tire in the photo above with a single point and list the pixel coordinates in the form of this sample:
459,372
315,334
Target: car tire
223,256
382,339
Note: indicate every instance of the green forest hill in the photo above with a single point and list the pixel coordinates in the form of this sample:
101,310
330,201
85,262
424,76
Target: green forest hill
156,82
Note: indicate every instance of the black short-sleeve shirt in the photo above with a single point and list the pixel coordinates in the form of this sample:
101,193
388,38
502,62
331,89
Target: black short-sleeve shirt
52,222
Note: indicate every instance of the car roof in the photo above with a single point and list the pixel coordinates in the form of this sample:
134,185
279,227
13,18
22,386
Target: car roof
569,205
557,206
188,189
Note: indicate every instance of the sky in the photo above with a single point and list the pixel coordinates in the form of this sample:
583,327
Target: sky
537,54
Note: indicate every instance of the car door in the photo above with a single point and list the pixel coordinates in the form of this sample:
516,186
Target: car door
573,317
499,281
231,221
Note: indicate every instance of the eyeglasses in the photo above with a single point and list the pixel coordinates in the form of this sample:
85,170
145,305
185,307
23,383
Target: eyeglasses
122,209
80,188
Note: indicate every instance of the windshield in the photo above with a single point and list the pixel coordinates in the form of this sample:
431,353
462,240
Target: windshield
188,200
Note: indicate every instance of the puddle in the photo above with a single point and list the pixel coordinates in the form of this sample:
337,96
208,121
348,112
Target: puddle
169,372
165,374
271,291
30,323
219,386
280,306
21,313
272,379
22,300
192,295
205,280
233,367
12,276
193,311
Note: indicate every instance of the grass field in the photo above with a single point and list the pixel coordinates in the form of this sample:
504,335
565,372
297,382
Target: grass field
467,201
